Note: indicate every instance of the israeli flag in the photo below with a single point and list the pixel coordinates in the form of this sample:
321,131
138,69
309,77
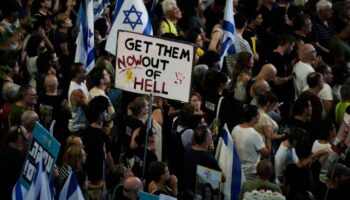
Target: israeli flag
129,15
39,188
229,162
71,189
230,43
99,6
85,52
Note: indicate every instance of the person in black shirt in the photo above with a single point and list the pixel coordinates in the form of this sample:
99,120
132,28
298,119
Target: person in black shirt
11,159
97,145
198,154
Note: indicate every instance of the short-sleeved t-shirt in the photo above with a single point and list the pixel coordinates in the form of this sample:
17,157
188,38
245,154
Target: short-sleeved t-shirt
131,124
249,143
96,145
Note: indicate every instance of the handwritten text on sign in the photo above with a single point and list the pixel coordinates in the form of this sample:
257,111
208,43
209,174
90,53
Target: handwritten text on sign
151,65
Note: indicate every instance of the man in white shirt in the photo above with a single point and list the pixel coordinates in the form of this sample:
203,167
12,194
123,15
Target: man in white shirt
250,144
307,55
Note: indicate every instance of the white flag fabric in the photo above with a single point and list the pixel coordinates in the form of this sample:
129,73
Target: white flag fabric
99,6
129,15
71,189
229,162
230,43
85,52
39,188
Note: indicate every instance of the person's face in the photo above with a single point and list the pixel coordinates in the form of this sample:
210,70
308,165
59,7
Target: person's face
258,20
208,194
16,68
67,23
326,12
106,77
290,47
165,177
251,62
46,3
83,156
31,97
196,102
201,6
307,26
199,41
328,75
145,108
82,73
176,12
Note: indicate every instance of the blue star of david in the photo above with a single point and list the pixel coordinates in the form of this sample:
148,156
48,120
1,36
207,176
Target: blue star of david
127,20
91,34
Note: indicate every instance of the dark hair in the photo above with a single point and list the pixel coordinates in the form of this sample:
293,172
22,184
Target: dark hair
240,20
209,58
313,79
286,39
324,129
95,75
299,21
300,105
185,115
267,97
75,69
207,185
101,26
43,62
250,112
137,104
213,79
345,91
253,15
293,11
140,139
264,168
192,36
303,148
23,91
242,62
322,68
13,133
156,170
200,134
32,47
97,106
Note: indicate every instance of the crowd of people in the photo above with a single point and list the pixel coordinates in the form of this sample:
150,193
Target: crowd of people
284,97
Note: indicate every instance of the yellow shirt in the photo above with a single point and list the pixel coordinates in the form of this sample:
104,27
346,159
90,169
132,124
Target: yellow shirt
169,27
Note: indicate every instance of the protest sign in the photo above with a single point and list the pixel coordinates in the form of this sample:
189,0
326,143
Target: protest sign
42,143
208,183
150,65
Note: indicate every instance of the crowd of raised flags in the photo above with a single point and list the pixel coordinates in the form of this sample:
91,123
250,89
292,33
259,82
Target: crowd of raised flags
91,10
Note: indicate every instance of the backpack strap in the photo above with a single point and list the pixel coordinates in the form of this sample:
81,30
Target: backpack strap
218,109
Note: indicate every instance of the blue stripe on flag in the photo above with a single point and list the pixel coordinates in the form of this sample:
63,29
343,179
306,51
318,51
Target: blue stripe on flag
236,175
84,24
19,195
148,28
118,6
73,184
228,26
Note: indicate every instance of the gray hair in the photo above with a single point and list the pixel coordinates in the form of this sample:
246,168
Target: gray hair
168,5
322,5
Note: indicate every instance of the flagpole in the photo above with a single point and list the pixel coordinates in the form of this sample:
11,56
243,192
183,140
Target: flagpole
149,126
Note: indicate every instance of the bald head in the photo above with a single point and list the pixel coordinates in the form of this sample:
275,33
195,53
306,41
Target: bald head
264,169
51,83
28,119
268,72
132,186
260,87
306,51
